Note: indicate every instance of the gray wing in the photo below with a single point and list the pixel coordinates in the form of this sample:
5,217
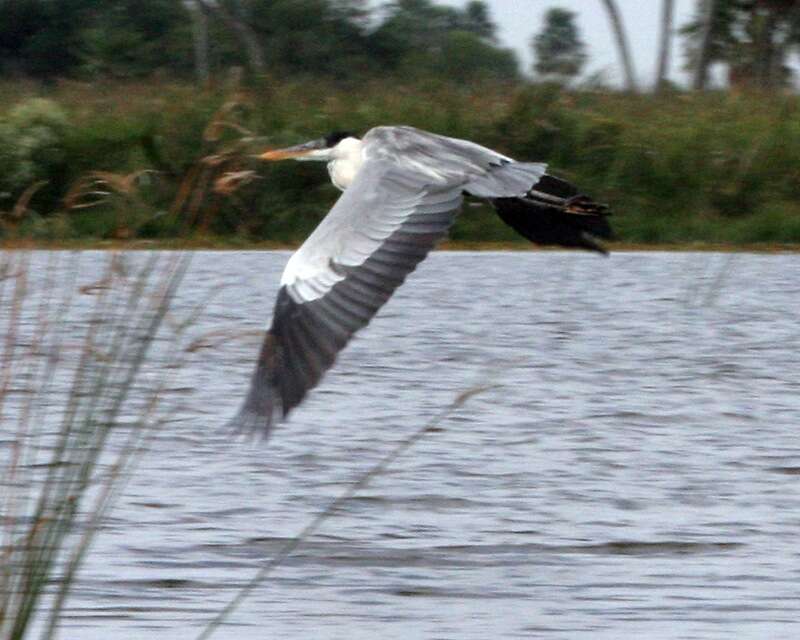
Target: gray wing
405,168
381,227
484,173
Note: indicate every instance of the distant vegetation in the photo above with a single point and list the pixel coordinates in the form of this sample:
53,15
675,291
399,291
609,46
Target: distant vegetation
149,160
124,39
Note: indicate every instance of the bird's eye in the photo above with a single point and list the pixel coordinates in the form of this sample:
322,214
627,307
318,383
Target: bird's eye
334,138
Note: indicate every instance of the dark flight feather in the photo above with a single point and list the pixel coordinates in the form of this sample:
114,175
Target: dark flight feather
554,212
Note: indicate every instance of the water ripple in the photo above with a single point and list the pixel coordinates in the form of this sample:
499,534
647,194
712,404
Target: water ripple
634,475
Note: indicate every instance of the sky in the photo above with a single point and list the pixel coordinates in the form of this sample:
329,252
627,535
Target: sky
518,20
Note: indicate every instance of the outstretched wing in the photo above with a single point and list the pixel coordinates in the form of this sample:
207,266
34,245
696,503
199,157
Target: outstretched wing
382,226
376,234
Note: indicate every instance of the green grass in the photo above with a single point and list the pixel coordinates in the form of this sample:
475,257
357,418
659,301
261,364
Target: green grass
678,168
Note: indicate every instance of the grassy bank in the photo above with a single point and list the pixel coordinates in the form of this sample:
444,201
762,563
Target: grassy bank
85,163
237,243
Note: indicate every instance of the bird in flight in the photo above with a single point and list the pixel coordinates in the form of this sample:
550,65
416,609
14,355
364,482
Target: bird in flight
402,188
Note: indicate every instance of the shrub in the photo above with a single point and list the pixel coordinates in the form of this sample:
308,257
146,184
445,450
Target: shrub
31,145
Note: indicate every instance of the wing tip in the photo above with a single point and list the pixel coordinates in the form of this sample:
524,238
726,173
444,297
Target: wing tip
591,244
247,422
263,404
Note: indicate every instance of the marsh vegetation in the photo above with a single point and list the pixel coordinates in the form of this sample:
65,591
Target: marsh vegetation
166,160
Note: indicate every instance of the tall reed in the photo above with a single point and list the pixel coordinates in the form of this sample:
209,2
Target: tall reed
75,413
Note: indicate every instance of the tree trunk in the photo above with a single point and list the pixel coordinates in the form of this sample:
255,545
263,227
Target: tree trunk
200,38
782,48
704,53
622,44
667,13
243,33
767,61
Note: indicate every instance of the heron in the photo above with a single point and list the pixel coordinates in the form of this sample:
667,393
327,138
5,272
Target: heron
401,190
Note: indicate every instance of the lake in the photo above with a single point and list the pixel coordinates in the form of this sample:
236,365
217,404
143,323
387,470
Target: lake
634,473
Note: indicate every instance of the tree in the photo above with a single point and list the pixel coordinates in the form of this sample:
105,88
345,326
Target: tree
40,37
466,58
234,15
334,39
477,19
706,34
558,48
129,38
314,37
419,36
752,37
791,37
414,26
202,67
47,38
618,27
665,48
301,37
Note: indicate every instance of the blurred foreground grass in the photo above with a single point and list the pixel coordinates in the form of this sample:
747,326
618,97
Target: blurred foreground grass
160,160
76,413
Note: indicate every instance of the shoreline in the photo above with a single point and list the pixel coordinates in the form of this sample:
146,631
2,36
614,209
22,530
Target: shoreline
223,244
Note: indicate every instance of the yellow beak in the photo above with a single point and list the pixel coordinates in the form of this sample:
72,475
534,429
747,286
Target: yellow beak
314,150
283,154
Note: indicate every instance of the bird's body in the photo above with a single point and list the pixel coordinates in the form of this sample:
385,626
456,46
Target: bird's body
402,188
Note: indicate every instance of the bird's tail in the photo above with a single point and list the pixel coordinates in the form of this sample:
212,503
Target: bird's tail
554,212
262,407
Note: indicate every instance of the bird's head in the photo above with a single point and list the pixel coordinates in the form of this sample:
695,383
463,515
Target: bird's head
321,149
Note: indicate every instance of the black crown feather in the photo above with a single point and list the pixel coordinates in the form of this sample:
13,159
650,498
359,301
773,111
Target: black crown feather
332,139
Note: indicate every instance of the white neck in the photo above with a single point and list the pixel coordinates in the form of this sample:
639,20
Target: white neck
346,159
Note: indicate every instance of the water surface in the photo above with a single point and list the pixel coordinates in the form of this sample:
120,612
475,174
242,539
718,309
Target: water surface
636,471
